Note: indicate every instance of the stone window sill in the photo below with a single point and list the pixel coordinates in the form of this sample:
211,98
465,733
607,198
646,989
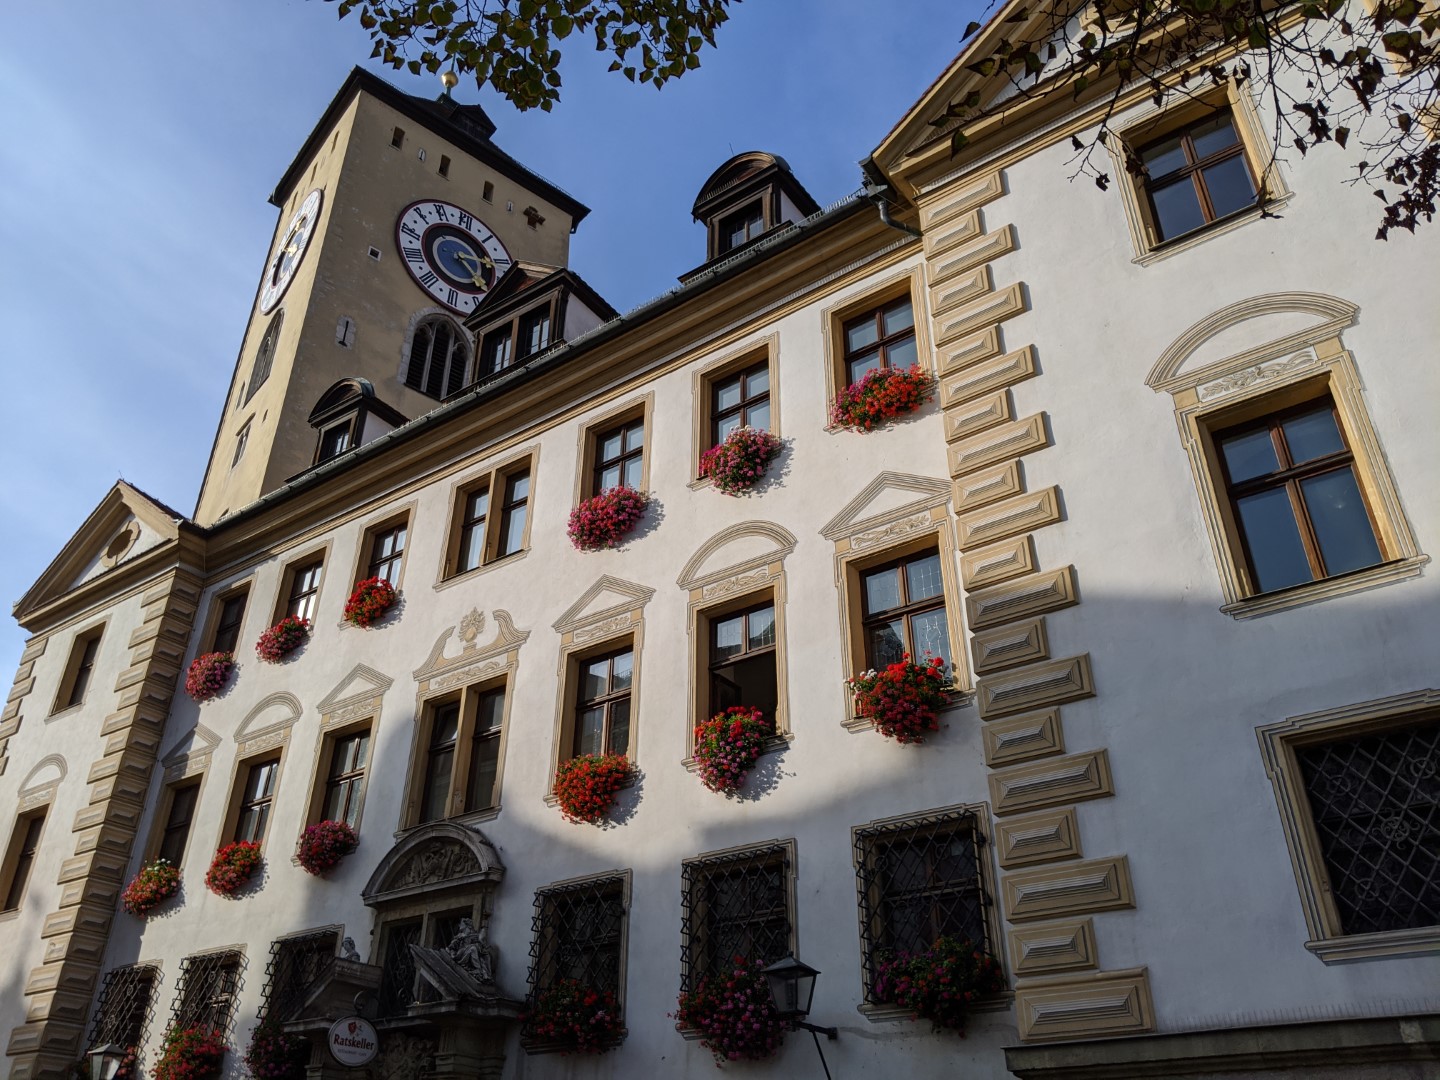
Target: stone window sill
1369,578
1422,941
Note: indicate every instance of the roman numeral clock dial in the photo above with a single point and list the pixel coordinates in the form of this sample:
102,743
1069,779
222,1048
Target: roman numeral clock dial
450,253
291,249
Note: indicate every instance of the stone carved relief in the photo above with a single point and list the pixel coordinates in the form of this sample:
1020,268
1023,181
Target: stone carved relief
733,551
875,507
1258,373
900,529
432,865
273,716
474,661
602,629
620,598
738,583
471,625
405,1057
361,690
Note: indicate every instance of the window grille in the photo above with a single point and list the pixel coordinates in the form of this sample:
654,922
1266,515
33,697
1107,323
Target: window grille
296,963
206,992
122,1015
397,983
734,904
1375,800
919,880
578,934
438,359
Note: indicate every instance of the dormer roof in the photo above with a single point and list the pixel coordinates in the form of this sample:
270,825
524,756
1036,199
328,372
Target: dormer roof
345,396
745,173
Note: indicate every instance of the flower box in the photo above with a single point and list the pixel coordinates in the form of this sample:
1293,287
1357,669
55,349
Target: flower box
904,700
368,604
940,984
191,1053
208,675
282,639
603,521
151,887
734,1014
585,786
728,745
274,1055
324,844
232,868
574,1018
881,396
739,463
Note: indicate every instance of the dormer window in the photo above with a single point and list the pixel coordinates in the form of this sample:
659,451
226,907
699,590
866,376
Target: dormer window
741,227
349,415
747,197
535,332
334,441
533,308
498,352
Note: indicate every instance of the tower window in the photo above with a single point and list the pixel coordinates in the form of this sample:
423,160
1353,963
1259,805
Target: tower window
535,332
397,138
240,442
438,359
444,166
488,192
741,227
265,355
375,253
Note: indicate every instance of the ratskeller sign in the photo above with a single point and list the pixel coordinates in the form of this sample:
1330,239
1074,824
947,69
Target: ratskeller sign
352,1041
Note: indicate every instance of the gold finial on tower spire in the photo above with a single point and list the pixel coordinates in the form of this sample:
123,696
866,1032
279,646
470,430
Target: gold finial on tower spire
448,79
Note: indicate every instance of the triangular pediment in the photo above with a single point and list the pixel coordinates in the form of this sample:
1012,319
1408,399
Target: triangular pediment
199,740
887,498
744,546
362,685
608,597
126,524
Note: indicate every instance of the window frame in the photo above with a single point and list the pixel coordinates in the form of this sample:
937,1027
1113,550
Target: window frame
550,310
572,656
693,873
703,381
494,479
752,209
231,960
79,674
604,701
880,348
116,993
17,871
467,699
214,623
1278,744
264,355
366,558
904,612
277,961
1194,169
875,297
589,443
325,750
450,382
236,805
702,621
285,594
162,826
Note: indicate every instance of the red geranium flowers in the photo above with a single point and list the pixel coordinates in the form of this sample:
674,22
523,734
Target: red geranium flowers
232,868
904,700
739,463
150,888
734,1013
939,984
324,844
575,1018
881,396
586,785
603,521
368,604
728,745
282,639
208,675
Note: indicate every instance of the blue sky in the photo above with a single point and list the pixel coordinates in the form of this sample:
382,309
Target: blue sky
139,155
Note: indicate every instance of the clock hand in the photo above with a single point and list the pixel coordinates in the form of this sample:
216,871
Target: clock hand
473,264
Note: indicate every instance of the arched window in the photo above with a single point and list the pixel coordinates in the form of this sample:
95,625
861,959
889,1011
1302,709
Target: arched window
266,354
438,358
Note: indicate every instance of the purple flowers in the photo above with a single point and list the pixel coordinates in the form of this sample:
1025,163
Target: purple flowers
939,984
728,745
739,463
324,844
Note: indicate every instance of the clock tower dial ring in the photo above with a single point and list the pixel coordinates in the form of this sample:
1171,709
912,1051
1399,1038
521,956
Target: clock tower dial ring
450,253
288,253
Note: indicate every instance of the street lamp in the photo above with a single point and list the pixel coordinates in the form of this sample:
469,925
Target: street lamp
105,1061
792,988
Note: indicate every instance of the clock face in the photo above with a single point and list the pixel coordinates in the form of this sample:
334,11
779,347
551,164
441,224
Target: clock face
450,253
290,251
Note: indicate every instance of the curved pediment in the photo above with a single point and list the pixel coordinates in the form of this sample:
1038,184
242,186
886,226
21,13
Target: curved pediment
733,550
440,856
45,776
269,722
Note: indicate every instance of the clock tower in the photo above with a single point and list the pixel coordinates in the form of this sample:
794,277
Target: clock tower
396,218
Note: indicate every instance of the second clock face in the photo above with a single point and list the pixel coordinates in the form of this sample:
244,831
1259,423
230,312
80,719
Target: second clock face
291,250
450,253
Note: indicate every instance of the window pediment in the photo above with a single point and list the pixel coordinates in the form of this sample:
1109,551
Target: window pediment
439,857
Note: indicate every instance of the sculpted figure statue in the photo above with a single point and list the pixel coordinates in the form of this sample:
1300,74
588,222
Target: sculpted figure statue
348,950
470,949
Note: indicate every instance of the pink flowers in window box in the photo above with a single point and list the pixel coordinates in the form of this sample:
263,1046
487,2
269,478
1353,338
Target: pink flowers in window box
191,1053
324,844
274,1055
151,887
232,868
368,604
881,396
574,1018
728,745
585,786
603,521
904,700
739,463
282,639
734,1013
208,675
939,984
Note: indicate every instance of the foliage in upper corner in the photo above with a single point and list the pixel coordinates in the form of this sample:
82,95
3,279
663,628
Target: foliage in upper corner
1365,79
514,45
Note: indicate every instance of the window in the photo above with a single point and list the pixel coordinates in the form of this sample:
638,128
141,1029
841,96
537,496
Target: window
919,880
903,609
296,963
400,985
334,441
444,169
345,778
205,994
20,859
496,354
257,795
241,441
438,358
579,933
741,227
1196,175
534,333
178,818
479,536
740,400
227,622
881,338
265,355
742,660
1290,478
303,590
620,457
1361,815
487,191
736,903
79,669
602,706
387,553
460,768
397,138
122,1014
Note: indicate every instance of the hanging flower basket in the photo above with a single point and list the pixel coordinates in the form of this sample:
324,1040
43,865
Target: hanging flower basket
586,785
739,463
208,675
940,984
728,745
603,521
274,1055
904,700
574,1018
282,639
191,1053
734,1013
881,396
368,604
324,844
151,887
233,866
